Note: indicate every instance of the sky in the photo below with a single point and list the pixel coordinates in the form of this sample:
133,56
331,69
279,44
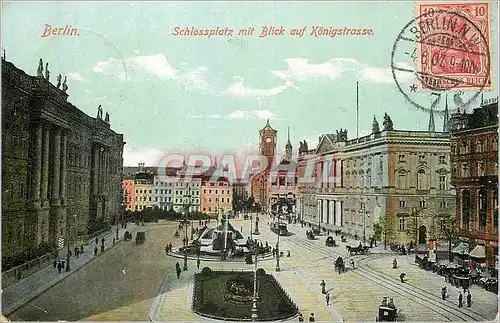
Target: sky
169,92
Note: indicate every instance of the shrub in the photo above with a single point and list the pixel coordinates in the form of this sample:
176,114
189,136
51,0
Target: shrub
206,271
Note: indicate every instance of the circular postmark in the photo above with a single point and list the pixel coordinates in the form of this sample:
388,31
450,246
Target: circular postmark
438,53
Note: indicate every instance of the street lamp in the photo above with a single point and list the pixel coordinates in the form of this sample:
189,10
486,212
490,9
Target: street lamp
363,208
256,224
254,306
278,246
184,213
414,213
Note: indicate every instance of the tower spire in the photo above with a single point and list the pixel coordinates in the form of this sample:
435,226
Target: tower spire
446,115
288,147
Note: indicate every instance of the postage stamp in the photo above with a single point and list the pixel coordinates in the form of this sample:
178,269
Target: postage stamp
453,45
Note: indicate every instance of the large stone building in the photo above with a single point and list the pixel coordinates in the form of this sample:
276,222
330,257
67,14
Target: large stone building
61,169
474,157
216,196
398,178
144,194
128,186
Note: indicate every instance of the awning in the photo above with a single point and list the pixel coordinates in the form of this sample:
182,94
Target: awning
461,248
478,252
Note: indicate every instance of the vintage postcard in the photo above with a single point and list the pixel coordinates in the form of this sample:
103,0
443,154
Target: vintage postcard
237,161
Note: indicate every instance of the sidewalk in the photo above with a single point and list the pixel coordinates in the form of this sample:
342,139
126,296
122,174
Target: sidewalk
20,293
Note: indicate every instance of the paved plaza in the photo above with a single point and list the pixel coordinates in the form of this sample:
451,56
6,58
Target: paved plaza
137,282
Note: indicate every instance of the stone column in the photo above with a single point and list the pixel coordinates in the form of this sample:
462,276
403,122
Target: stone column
37,171
56,167
64,143
95,168
45,163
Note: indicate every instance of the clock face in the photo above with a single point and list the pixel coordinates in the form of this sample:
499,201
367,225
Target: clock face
268,140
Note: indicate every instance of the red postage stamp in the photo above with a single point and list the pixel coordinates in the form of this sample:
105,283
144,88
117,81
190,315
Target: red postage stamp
453,45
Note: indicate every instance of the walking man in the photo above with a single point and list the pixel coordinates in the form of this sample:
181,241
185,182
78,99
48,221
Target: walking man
443,292
59,267
198,262
469,299
460,300
178,270
102,248
95,250
96,240
402,277
311,318
166,250
77,252
323,287
327,298
170,246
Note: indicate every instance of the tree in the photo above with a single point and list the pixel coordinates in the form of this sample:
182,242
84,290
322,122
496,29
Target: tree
448,233
383,229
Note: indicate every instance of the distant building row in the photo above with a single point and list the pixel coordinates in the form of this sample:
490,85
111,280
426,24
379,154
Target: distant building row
174,191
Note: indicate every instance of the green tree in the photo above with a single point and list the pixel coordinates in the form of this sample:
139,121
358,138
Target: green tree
384,230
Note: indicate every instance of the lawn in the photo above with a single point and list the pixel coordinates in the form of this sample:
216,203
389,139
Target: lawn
215,297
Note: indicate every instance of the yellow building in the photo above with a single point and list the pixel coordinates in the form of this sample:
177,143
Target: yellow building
144,191
216,196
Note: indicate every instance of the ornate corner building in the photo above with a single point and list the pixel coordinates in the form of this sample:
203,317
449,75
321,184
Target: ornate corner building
474,157
61,169
401,178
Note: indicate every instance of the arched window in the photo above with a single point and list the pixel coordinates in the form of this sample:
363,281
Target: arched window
482,207
479,147
465,209
422,180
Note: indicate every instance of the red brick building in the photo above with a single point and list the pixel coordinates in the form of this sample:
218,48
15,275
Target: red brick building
474,158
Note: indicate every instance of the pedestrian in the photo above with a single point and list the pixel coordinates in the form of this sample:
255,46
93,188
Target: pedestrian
327,298
77,251
311,318
63,263
469,299
69,253
102,248
102,240
59,267
443,292
402,277
55,263
96,240
166,250
301,317
198,262
178,270
352,263
170,246
95,250
274,252
460,300
323,287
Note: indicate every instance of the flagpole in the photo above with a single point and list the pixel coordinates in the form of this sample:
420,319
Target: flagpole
357,110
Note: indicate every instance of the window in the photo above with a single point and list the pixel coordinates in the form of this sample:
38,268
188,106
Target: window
402,181
465,170
442,159
401,224
442,182
421,158
479,147
422,180
480,169
401,158
422,203
465,209
442,204
482,210
402,203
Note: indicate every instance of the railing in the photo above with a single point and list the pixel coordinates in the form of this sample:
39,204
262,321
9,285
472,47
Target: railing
13,275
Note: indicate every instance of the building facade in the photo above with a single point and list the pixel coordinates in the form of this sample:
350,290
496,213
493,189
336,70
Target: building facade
128,186
216,196
164,187
398,178
186,194
144,196
474,158
61,169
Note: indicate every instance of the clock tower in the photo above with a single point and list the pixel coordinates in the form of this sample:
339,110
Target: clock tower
267,146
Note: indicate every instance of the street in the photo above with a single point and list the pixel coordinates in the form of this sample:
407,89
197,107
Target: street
101,291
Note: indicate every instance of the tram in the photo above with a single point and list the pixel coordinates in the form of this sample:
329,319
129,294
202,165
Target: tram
280,226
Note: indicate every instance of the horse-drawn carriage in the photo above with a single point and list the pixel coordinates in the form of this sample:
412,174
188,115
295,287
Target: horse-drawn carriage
330,242
359,250
339,265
